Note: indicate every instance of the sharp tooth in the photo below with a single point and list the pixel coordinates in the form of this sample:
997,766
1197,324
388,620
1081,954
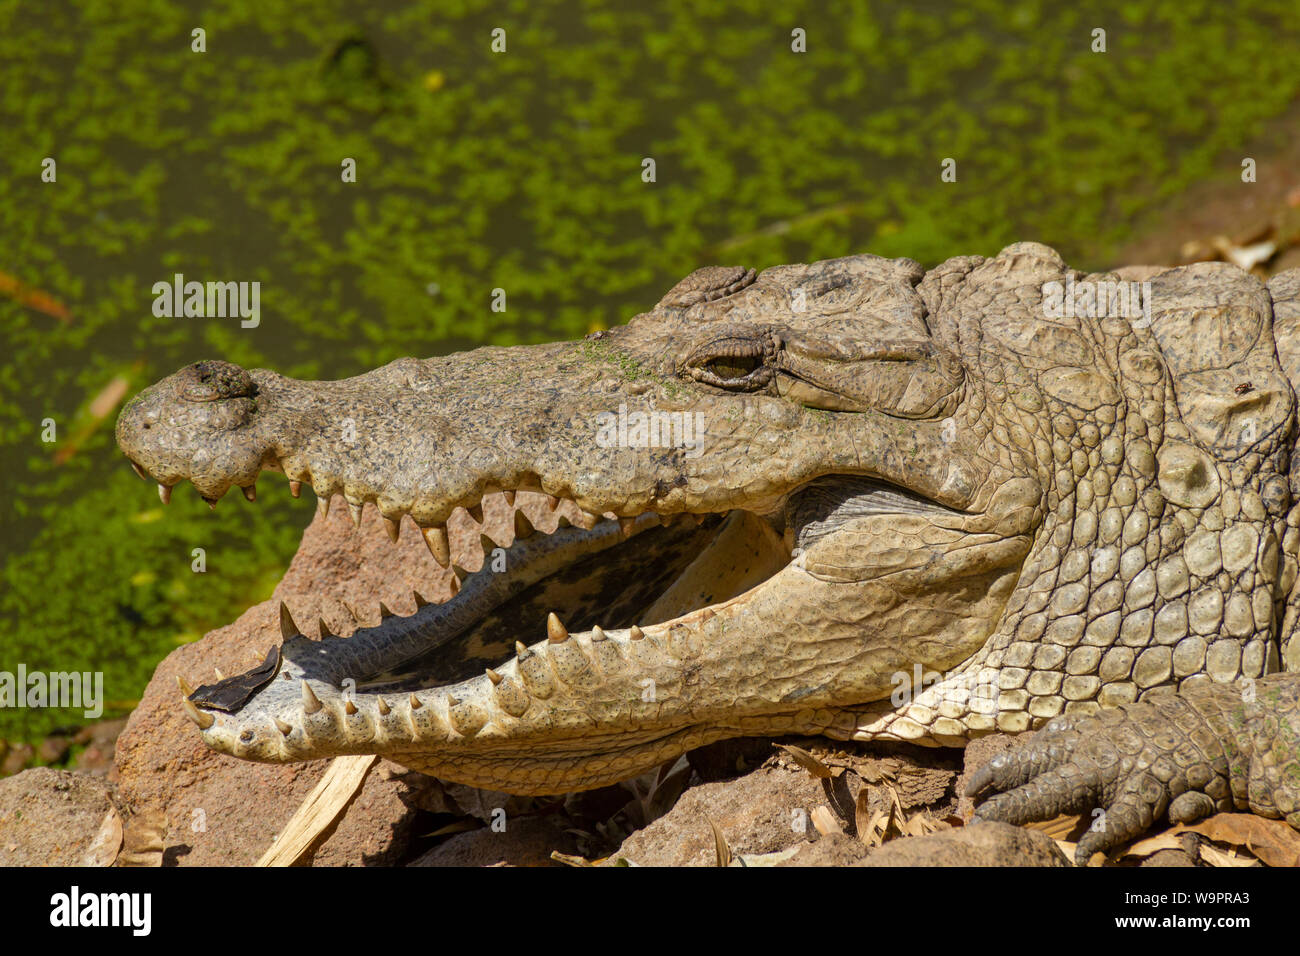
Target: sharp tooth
597,634
281,726
627,526
322,504
355,510
488,546
288,629
415,703
555,630
384,613
393,529
460,574
563,522
140,471
250,492
552,502
476,512
295,488
184,685
349,708
510,498
324,629
587,520
523,527
493,676
436,538
217,671
165,493
454,585
204,720
310,702
420,602
520,650
382,705
636,633
699,519
212,503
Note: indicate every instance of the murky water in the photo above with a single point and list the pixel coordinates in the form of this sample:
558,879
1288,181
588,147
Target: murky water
520,170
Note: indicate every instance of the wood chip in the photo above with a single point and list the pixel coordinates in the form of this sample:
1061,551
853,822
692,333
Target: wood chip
337,788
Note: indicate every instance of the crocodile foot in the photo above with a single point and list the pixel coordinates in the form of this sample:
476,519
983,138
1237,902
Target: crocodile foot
1182,756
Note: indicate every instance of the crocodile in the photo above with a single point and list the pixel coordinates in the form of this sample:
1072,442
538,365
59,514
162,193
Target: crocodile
852,498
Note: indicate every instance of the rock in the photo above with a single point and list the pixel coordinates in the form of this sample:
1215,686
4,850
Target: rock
19,756
978,844
764,811
1167,858
834,849
99,740
224,811
56,818
53,749
525,842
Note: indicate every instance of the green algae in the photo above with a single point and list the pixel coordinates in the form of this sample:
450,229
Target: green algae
519,171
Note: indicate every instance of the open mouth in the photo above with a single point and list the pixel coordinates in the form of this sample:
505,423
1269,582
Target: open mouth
555,633
608,582
608,579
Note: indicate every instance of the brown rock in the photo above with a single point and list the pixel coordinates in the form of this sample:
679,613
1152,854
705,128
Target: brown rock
979,844
53,749
224,811
765,811
834,849
19,756
99,740
525,842
56,818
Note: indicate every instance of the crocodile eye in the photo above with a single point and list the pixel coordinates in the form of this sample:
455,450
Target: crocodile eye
733,367
732,361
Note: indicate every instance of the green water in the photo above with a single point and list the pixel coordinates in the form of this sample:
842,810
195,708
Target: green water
521,171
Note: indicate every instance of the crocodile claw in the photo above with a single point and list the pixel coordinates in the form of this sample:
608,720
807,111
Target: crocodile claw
1127,767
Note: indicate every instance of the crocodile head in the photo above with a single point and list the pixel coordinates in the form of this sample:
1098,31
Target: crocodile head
796,489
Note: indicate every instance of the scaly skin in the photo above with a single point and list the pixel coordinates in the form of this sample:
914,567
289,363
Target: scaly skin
1209,749
895,471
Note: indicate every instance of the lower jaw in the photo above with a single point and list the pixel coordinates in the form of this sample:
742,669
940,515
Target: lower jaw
527,725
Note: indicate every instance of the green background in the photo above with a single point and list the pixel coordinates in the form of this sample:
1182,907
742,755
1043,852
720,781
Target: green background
521,171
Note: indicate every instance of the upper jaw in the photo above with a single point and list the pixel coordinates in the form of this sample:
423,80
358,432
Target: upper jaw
426,438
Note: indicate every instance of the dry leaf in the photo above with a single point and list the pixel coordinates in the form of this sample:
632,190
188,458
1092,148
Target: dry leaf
806,760
1216,857
569,859
862,820
1161,841
1059,827
1273,841
142,839
825,821
108,841
720,847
